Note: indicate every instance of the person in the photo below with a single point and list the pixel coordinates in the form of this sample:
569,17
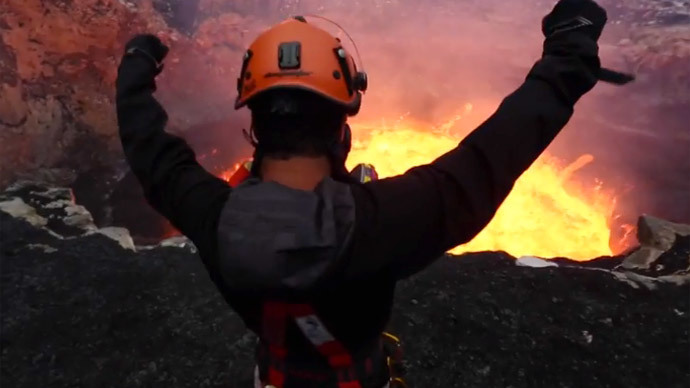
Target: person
307,256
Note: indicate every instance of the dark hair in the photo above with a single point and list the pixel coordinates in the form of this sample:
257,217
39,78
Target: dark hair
289,122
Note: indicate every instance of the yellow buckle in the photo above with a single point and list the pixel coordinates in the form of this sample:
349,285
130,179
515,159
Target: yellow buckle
394,360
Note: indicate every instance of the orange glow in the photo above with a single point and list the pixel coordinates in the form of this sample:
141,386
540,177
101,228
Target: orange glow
547,214
227,173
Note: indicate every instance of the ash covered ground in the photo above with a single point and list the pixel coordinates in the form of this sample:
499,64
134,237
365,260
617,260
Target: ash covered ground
88,313
83,307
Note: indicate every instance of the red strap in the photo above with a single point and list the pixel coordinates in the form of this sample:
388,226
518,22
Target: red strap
275,316
338,357
276,378
349,384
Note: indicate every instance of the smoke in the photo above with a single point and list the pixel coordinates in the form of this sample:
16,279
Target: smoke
428,59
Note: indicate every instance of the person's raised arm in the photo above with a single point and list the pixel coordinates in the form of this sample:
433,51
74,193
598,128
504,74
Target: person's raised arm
404,223
173,182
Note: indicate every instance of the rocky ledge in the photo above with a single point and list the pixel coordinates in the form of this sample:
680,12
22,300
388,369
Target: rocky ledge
85,307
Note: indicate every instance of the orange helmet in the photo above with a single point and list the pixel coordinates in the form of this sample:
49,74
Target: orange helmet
296,54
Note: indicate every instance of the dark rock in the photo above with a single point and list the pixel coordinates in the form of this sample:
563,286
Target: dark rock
55,205
666,249
93,314
101,317
550,327
16,235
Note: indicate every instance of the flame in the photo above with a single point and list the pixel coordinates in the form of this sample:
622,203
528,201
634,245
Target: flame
547,214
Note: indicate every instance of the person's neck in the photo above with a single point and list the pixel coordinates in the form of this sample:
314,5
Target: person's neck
297,172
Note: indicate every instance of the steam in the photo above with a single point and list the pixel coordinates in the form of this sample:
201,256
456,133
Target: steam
428,59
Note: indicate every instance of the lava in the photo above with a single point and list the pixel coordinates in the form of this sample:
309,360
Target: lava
548,214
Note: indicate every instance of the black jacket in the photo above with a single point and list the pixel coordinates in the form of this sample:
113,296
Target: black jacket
344,246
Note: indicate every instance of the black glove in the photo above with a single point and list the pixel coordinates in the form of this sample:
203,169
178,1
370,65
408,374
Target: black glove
570,62
149,47
141,63
581,16
574,28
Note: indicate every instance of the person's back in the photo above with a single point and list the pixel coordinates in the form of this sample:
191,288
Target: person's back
308,256
300,191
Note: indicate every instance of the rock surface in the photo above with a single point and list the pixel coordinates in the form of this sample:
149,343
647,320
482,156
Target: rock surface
660,234
85,311
665,248
58,63
642,258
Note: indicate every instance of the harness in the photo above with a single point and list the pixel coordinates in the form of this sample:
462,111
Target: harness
277,315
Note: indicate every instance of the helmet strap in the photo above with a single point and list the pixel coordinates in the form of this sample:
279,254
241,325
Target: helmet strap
245,62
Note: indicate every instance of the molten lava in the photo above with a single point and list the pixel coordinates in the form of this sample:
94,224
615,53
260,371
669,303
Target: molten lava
547,214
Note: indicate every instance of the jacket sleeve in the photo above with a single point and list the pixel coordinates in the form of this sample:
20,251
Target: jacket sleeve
406,222
173,182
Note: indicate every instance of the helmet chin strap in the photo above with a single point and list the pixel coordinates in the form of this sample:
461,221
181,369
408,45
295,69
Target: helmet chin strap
338,155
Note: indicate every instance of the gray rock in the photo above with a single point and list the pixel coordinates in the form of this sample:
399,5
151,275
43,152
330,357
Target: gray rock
178,242
79,217
642,258
121,235
17,208
534,262
658,233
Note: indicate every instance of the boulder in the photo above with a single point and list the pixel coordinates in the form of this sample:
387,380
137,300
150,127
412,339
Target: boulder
665,250
55,211
658,233
16,207
676,260
642,258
